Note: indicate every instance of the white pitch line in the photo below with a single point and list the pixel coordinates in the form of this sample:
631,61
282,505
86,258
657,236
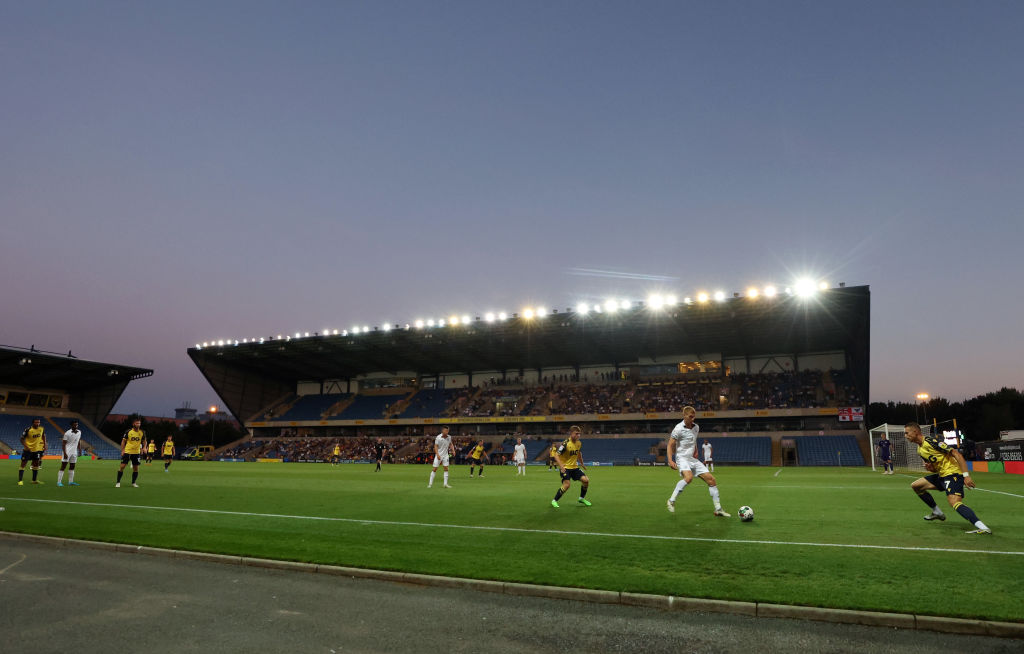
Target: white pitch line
777,472
521,530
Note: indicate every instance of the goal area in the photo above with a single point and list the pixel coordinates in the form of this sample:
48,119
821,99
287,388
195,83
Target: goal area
904,453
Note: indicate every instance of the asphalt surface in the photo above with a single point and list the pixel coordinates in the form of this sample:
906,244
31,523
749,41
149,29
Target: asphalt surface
74,599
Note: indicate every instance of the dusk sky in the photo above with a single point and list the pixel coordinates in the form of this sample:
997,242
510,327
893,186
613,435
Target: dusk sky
177,172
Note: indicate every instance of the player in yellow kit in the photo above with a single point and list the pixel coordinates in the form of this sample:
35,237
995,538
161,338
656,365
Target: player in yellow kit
168,453
569,457
33,443
476,458
949,474
150,451
131,450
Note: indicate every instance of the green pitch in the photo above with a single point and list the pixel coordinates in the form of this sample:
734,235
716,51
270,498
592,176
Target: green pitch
843,538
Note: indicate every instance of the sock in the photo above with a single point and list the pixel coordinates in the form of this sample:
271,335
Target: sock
166,465
927,499
714,497
71,475
432,473
21,474
679,489
967,514
135,475
60,476
558,494
35,473
583,492
445,477
119,474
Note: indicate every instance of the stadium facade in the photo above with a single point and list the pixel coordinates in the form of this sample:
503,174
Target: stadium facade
405,379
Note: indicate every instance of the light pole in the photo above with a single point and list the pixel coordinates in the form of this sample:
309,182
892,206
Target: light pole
921,399
213,424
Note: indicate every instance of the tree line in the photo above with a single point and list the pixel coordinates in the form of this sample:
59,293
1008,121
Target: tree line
216,432
980,418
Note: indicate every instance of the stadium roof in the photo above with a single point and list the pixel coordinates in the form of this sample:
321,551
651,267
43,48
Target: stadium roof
94,387
831,320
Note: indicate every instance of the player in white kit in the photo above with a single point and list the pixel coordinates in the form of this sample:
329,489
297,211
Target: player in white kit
708,461
519,456
682,456
443,449
71,446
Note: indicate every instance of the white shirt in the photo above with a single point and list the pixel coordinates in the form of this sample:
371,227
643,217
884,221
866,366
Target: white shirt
707,450
443,445
71,439
520,451
685,438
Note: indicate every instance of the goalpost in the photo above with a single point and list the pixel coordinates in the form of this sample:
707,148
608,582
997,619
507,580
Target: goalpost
904,453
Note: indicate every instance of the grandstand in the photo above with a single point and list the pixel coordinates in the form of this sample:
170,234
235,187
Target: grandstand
757,370
56,388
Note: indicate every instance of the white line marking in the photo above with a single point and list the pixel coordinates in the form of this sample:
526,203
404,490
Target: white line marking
23,557
521,530
777,472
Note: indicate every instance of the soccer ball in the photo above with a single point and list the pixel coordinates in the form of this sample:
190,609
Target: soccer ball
746,513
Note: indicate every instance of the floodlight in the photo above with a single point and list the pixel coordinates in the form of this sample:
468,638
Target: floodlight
719,296
582,308
655,301
823,286
307,334
206,344
489,316
344,332
453,320
387,326
770,291
541,312
702,297
419,324
220,342
597,308
611,306
528,313
440,323
671,300
198,346
687,300
752,293
788,291
466,320
625,305
502,316
366,329
804,287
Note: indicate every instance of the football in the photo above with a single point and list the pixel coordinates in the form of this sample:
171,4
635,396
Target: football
746,513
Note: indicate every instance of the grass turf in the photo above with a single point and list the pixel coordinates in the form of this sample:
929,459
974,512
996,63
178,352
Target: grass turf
502,527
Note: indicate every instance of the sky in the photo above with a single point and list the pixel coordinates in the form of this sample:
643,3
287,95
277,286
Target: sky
172,173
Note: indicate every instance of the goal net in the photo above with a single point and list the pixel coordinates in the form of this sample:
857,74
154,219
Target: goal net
904,453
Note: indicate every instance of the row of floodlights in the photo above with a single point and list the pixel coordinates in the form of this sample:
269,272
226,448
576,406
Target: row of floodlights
803,288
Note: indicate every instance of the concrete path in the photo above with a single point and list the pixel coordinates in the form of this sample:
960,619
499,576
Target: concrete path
75,599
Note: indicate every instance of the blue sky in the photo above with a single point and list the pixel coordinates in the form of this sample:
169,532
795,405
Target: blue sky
177,172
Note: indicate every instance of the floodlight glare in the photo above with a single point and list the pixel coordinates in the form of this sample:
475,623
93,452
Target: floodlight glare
804,288
582,308
719,296
671,300
220,342
541,312
611,306
207,344
502,316
307,334
625,305
823,286
770,291
528,313
387,326
344,332
702,297
489,316
752,293
466,320
419,324
655,301
453,320
597,308
440,323
688,300
366,329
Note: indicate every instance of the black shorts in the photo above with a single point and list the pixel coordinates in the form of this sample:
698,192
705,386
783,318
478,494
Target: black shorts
574,474
476,462
134,458
950,484
168,457
34,457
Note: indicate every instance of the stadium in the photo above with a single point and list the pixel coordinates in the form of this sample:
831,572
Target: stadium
779,381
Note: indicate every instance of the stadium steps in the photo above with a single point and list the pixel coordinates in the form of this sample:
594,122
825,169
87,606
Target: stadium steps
283,406
261,415
339,407
229,446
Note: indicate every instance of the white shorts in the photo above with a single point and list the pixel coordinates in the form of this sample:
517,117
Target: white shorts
440,461
69,459
519,460
694,465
